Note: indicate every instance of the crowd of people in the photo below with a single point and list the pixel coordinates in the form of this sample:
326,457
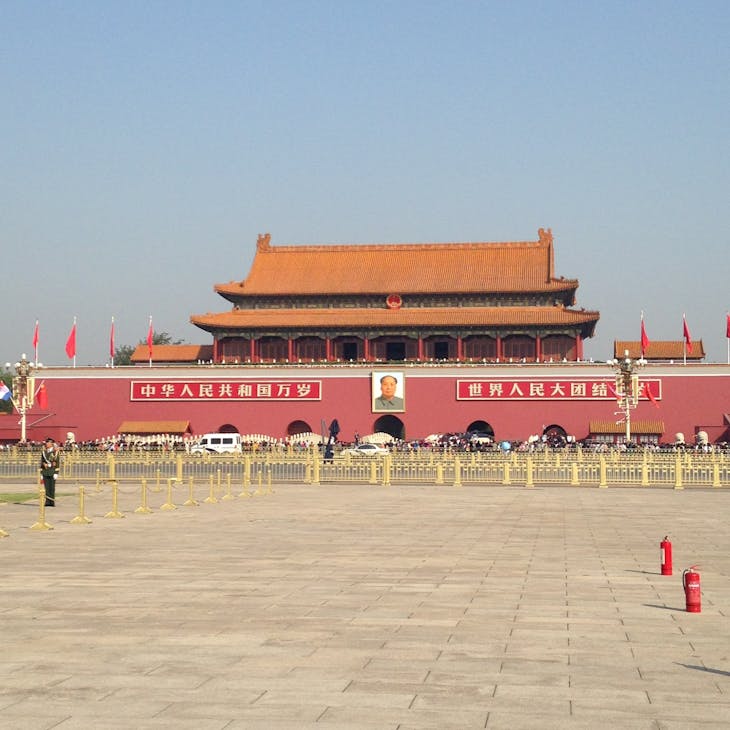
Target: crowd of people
463,442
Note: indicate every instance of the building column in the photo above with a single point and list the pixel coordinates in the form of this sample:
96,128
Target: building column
538,348
290,349
420,348
252,347
366,349
328,349
578,347
459,349
215,349
499,348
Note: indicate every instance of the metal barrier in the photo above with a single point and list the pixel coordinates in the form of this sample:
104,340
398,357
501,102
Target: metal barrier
560,468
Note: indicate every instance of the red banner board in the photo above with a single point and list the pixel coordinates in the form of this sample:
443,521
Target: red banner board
498,389
226,390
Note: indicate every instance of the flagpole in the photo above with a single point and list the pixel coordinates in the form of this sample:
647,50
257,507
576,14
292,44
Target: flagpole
149,340
111,343
684,337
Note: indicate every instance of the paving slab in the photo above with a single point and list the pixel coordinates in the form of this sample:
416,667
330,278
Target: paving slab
352,606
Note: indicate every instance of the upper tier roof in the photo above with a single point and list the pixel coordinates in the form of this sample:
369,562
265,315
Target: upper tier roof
415,268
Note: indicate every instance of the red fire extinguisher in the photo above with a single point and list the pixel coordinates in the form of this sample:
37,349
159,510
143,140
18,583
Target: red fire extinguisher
691,585
665,551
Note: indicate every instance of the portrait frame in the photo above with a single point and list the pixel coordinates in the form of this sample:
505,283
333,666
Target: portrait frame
377,399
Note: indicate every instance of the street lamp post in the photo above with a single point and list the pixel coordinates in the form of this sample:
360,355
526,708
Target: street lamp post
23,390
627,387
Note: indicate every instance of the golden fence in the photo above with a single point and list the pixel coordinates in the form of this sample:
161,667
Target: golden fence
549,468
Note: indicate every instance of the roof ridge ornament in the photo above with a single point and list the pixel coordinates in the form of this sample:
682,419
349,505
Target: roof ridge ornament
545,235
263,242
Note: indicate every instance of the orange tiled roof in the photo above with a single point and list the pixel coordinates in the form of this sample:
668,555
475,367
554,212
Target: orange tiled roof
659,350
645,427
172,353
153,427
404,317
433,268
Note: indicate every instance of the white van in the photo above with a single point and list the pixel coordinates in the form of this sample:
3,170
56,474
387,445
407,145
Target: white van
218,443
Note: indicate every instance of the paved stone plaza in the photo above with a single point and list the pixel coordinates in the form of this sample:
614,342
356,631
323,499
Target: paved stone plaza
368,607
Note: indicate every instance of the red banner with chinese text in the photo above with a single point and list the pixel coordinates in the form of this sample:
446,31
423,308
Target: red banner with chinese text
226,390
498,389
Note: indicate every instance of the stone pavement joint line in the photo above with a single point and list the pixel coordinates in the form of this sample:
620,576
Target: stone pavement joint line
349,606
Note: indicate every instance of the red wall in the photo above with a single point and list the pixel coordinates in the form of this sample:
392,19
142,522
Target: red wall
93,402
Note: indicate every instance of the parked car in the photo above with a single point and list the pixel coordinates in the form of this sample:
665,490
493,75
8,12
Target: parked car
218,443
366,450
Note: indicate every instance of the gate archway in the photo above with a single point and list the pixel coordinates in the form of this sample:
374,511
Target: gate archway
391,425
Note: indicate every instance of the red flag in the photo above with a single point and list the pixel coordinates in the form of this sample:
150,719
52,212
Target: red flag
42,397
150,337
687,336
727,331
644,337
650,396
71,343
111,341
35,336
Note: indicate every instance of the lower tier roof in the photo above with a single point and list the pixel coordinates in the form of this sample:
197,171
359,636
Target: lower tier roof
406,317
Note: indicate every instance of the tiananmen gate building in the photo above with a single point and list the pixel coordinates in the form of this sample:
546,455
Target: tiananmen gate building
407,339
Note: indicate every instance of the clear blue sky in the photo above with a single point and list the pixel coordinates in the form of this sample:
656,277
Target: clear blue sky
145,144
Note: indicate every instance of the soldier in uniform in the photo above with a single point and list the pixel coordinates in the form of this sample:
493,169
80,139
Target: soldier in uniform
50,464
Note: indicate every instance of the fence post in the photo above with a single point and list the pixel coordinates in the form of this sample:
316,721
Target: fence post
440,473
315,469
602,472
645,472
373,472
169,504
143,509
228,494
191,501
246,471
259,480
678,473
81,518
211,498
506,478
386,470
716,475
41,524
529,482
457,472
574,474
179,467
115,513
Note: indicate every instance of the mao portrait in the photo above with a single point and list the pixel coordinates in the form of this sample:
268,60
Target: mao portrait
388,392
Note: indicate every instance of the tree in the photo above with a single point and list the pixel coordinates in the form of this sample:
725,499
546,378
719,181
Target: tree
123,354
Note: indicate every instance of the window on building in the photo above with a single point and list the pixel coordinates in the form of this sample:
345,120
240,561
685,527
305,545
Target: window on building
558,347
477,347
518,347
